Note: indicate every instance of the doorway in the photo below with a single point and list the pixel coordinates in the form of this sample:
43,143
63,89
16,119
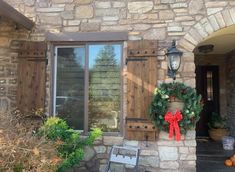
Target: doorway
207,84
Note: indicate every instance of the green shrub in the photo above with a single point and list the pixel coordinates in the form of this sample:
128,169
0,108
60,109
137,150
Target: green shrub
70,146
18,168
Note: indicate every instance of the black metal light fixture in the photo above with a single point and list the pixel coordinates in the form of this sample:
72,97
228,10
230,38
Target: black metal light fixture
206,48
173,60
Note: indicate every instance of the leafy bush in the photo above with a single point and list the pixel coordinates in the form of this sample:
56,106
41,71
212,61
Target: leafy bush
70,146
216,121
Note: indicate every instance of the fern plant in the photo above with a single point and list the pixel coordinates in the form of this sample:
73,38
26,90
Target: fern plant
70,146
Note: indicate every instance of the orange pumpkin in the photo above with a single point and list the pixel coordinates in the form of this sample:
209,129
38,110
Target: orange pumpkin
228,162
232,158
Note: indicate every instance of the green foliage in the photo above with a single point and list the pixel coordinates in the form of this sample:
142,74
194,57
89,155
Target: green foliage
191,110
71,145
216,121
18,168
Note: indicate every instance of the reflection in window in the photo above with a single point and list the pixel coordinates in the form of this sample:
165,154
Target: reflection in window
101,74
209,81
69,99
104,86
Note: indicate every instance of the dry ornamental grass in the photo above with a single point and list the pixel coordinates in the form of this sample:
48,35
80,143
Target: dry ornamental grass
20,149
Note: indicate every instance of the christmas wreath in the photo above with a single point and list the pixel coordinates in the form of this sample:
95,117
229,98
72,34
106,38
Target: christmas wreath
191,108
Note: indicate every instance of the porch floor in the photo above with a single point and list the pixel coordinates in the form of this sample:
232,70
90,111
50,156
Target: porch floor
211,156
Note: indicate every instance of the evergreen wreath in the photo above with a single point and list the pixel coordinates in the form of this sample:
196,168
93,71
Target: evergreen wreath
191,109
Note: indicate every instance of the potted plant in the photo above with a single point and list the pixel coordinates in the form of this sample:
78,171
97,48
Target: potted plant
217,127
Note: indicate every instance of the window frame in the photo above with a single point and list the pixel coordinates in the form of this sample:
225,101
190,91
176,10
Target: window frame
86,45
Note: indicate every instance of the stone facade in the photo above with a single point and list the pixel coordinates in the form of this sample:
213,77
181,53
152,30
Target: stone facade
8,62
187,21
163,155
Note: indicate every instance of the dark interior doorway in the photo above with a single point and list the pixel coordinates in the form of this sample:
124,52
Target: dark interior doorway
207,84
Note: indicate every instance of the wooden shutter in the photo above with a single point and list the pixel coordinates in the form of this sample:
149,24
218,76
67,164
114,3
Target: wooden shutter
141,82
31,76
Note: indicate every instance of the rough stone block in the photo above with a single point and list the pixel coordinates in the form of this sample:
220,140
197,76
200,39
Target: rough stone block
190,143
118,4
74,22
4,41
89,153
174,29
155,34
131,143
170,143
140,6
145,152
227,18
110,18
82,1
166,14
179,5
190,134
49,10
167,1
211,11
67,15
100,149
107,12
84,11
186,45
167,153
103,4
61,1
116,28
188,157
220,20
183,150
169,165
213,22
184,18
216,4
90,27
71,29
232,13
152,161
141,26
111,140
50,20
196,6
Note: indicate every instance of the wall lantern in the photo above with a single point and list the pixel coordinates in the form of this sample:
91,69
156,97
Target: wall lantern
173,60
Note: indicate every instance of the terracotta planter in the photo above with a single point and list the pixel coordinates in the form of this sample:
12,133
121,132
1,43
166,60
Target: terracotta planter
175,104
218,134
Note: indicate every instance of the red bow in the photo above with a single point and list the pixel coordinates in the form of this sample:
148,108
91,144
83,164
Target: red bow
173,119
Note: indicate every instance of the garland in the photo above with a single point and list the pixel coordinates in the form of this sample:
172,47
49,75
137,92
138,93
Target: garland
191,109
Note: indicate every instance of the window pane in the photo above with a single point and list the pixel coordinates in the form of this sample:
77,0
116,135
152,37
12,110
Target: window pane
209,80
70,86
104,86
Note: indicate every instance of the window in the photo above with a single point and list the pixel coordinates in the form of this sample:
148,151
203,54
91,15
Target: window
87,87
209,82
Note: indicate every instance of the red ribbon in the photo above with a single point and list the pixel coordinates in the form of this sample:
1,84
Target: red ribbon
173,120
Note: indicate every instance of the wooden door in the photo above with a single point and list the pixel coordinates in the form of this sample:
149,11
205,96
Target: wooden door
141,82
31,76
207,84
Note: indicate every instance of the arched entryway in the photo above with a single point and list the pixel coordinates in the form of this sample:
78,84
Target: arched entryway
215,77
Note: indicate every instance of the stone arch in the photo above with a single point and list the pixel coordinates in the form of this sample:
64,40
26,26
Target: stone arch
196,34
207,26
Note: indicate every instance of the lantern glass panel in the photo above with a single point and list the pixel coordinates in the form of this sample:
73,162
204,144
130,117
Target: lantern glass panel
174,61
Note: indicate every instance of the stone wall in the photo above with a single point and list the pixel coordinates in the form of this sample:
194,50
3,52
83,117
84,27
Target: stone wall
9,32
187,21
231,93
161,156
